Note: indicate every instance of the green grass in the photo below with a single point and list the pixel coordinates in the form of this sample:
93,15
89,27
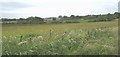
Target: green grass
13,29
99,38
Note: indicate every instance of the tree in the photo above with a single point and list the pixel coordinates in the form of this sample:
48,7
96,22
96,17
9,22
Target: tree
60,16
34,20
64,16
72,16
54,19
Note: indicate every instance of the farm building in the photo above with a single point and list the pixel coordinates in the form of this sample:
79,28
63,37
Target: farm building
51,19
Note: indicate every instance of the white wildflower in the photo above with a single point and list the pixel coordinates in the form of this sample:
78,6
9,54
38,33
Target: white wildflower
31,50
21,43
64,46
107,46
110,37
79,34
15,37
69,40
56,36
99,29
40,37
4,37
72,39
68,35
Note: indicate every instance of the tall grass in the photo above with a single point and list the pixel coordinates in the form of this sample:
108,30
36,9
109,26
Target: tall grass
95,41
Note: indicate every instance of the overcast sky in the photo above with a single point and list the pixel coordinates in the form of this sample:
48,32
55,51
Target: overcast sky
54,8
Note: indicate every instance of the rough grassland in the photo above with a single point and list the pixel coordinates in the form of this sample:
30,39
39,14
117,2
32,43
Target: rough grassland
61,39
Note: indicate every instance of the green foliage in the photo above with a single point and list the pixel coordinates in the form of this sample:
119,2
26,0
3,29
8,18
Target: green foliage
34,20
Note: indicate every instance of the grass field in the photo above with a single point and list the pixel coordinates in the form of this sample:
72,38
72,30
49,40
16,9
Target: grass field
13,29
61,39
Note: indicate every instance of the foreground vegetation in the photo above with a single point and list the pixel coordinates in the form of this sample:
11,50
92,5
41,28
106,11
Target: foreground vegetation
61,39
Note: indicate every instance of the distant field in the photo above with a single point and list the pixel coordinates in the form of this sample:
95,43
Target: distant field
14,29
61,39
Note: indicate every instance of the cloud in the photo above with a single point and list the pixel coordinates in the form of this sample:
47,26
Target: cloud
6,15
12,5
107,8
53,8
119,6
12,9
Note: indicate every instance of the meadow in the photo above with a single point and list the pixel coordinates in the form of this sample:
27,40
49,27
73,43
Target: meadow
94,38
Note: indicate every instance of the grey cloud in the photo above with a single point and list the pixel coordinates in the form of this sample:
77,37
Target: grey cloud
12,5
119,6
106,8
10,15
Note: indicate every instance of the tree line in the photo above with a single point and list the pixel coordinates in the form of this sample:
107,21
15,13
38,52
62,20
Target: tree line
62,19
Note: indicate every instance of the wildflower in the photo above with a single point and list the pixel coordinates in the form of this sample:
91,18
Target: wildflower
70,33
4,37
40,37
31,50
21,43
96,29
79,34
69,40
56,36
110,37
49,51
99,29
15,37
11,36
64,33
72,39
64,46
107,46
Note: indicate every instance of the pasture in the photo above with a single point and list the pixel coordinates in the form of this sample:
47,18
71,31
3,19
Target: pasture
14,29
95,38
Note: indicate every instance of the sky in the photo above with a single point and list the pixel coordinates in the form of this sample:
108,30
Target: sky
54,8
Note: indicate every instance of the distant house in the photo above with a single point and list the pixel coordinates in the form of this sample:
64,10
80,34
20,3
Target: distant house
51,19
10,22
48,19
